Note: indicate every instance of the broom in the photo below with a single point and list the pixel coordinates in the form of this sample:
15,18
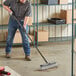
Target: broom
44,66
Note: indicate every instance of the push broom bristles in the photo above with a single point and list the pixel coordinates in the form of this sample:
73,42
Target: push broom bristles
48,66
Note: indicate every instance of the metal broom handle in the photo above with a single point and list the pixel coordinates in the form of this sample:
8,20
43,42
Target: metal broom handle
30,39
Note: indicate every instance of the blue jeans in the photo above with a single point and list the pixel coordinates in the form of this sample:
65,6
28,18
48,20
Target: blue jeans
12,28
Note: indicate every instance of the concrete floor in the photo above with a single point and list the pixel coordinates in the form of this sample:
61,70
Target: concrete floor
59,52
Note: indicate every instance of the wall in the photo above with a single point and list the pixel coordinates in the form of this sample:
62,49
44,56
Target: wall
45,12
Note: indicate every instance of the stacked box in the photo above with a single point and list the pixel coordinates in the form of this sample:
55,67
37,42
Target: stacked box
30,21
32,38
42,35
75,45
62,1
5,35
2,38
67,15
18,38
5,16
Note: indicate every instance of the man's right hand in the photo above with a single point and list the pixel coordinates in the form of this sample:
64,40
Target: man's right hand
8,9
11,13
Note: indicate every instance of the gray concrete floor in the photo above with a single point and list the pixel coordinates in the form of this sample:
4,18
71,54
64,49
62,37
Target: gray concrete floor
59,52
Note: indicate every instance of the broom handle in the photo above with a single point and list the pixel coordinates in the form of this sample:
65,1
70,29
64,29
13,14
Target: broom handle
30,39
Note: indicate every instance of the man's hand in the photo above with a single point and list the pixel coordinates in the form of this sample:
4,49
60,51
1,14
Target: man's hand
8,9
25,27
11,13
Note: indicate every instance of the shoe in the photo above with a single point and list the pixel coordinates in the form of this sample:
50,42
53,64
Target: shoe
28,58
8,56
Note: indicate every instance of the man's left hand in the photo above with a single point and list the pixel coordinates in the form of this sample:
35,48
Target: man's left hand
24,27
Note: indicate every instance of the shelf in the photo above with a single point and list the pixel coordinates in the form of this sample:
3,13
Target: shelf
53,39
74,19
48,24
35,24
51,4
45,4
3,44
3,27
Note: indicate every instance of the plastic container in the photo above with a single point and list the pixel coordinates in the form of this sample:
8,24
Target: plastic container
56,20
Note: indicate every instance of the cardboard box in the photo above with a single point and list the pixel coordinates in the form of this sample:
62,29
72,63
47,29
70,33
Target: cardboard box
32,38
42,35
67,15
30,21
2,37
5,35
62,1
18,38
5,16
75,45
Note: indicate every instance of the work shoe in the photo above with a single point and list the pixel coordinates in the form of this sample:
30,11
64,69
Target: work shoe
8,56
28,58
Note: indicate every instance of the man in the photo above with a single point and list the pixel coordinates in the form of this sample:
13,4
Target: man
22,10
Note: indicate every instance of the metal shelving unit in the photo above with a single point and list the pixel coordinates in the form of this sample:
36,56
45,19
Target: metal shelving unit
72,37
44,24
37,24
